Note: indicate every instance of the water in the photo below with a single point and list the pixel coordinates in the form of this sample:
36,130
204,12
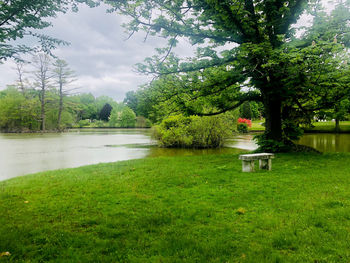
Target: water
327,142
29,153
22,154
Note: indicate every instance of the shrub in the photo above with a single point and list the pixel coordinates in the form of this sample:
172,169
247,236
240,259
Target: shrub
127,118
268,145
245,110
192,132
83,123
105,112
99,124
246,121
142,122
242,127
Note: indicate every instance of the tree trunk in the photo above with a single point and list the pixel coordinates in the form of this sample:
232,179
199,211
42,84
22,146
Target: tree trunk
60,108
43,115
273,115
337,125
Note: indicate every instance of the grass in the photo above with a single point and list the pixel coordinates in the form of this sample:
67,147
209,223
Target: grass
181,209
329,126
257,125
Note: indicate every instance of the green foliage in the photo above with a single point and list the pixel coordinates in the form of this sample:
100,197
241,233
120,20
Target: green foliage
242,127
246,51
127,118
327,127
256,110
131,100
67,119
245,111
192,132
98,124
292,130
21,18
271,146
18,113
114,118
142,122
105,112
83,123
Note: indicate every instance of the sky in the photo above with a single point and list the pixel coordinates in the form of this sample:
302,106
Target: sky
103,60
100,55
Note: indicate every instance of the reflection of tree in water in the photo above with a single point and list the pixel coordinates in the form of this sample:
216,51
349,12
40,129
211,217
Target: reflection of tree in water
156,151
327,142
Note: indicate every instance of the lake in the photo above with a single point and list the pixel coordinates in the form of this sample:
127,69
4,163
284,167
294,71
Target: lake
30,153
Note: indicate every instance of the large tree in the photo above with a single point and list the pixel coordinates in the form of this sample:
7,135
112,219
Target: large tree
42,76
247,51
64,76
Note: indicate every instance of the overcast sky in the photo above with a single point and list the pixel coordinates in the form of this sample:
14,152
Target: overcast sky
98,52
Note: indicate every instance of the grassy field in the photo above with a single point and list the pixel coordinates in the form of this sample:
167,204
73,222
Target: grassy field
329,126
257,125
181,209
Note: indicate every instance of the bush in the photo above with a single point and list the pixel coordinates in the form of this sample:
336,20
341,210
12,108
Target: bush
125,118
99,124
142,122
84,123
242,127
245,110
268,145
192,132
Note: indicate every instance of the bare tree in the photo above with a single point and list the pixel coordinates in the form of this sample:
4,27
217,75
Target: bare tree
64,76
42,75
20,65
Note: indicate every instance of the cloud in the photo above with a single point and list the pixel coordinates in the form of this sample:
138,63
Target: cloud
98,53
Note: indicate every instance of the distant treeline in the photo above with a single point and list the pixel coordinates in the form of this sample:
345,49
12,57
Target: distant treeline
44,98
21,111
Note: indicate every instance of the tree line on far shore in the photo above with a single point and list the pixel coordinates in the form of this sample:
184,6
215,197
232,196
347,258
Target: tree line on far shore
45,99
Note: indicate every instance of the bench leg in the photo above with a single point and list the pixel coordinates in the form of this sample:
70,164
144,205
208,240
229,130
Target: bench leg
265,164
247,166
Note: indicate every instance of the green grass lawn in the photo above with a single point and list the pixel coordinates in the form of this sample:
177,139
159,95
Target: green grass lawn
181,209
329,126
257,125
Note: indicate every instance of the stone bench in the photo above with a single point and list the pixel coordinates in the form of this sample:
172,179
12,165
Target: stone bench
265,161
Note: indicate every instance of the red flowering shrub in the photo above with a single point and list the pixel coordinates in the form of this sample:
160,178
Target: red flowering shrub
246,121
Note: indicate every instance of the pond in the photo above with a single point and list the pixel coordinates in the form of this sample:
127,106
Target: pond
22,154
327,142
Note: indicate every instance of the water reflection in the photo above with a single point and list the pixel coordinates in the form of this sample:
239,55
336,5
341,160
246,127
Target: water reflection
327,142
156,151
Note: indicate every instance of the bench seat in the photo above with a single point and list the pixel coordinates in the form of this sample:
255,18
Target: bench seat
264,161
